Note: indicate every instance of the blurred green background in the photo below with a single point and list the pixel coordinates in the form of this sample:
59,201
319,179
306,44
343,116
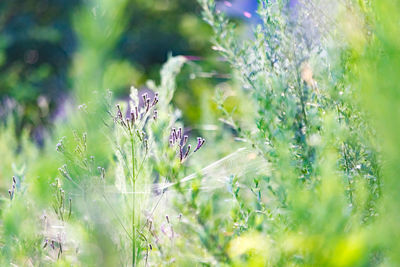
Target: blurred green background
47,46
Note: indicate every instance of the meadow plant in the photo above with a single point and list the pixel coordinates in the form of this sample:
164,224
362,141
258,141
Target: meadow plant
308,126
307,187
148,149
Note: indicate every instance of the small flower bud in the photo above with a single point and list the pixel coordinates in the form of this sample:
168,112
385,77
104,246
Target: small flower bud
45,243
133,116
174,136
147,104
155,101
185,139
144,97
119,113
200,142
187,151
180,133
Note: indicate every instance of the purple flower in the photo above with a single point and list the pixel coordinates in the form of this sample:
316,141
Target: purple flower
137,113
178,138
200,142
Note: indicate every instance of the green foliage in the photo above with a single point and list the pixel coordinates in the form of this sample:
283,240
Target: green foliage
309,128
302,170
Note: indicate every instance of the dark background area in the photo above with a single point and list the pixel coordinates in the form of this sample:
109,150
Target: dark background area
38,42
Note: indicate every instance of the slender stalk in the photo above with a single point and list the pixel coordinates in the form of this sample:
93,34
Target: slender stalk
347,168
133,202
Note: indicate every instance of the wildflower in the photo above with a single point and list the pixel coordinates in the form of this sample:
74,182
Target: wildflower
60,145
83,107
179,139
187,151
200,143
11,191
167,229
138,114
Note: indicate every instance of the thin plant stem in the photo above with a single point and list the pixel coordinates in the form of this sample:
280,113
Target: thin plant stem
133,202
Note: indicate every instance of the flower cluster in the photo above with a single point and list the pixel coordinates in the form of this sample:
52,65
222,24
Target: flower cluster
12,190
178,138
138,113
54,244
60,145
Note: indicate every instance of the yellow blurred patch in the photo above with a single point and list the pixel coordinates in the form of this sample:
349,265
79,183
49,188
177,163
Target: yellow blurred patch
256,246
349,250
